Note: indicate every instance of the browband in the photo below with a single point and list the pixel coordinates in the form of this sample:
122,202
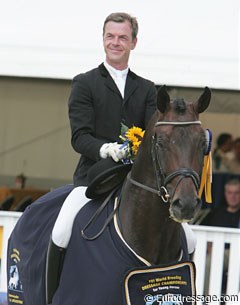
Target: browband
178,123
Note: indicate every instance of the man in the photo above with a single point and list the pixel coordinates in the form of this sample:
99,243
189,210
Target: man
229,214
107,96
223,152
234,164
100,101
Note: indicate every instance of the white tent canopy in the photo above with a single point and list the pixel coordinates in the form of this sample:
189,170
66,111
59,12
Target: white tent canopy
183,43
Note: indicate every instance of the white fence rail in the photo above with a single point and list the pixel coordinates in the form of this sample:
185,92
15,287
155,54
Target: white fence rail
209,278
211,258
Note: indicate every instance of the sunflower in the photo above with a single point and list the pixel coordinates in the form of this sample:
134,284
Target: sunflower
135,147
132,137
135,134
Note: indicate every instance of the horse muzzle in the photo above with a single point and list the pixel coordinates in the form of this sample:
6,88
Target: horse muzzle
183,209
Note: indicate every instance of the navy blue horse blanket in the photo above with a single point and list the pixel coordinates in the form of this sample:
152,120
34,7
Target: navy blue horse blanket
93,271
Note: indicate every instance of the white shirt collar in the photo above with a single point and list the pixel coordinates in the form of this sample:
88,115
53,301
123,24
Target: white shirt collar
119,77
116,73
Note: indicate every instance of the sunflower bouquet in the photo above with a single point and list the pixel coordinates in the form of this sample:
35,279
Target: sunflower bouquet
132,138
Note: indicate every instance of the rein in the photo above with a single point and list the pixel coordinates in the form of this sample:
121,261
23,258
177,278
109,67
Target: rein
162,189
183,172
93,219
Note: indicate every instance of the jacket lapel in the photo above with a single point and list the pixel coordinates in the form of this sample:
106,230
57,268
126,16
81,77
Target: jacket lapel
109,82
131,85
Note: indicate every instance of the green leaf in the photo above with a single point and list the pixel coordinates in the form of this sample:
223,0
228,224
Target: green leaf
124,129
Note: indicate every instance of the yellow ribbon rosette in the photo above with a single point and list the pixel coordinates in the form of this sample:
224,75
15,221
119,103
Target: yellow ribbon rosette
206,179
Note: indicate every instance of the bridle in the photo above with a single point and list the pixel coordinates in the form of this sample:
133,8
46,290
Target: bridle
162,188
160,176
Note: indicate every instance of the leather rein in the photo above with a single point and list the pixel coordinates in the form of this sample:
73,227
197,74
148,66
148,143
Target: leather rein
161,190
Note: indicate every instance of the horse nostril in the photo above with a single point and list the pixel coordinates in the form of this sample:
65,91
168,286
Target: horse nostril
185,209
178,204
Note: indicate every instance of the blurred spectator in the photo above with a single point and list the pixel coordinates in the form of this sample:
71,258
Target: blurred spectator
20,181
223,152
233,165
227,215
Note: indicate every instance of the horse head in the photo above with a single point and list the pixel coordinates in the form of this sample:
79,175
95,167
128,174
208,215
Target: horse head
180,144
173,151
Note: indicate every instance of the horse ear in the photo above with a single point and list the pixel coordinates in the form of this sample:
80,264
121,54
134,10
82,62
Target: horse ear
163,99
203,101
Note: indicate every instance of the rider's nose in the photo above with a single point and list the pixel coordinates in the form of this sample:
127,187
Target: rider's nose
115,41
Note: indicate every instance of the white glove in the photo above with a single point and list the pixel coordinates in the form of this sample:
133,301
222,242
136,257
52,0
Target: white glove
114,150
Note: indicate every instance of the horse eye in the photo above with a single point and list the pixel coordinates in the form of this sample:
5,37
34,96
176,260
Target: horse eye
202,146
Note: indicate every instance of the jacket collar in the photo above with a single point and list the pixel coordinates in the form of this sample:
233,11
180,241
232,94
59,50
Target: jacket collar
131,83
104,72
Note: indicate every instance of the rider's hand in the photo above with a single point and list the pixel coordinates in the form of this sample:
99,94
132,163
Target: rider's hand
114,150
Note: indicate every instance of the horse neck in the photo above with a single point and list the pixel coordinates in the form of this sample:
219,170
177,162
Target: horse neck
147,227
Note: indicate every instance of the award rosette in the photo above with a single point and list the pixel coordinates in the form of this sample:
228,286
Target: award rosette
164,285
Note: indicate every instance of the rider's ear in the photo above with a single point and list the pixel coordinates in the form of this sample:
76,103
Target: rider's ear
203,102
163,99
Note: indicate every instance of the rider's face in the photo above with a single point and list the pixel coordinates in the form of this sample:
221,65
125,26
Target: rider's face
118,43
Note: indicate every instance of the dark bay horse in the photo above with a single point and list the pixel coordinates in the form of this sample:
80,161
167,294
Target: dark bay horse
160,192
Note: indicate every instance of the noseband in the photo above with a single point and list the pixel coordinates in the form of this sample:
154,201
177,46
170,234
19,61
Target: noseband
182,172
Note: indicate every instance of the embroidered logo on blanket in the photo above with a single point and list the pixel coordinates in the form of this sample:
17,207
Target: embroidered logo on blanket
171,285
15,290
